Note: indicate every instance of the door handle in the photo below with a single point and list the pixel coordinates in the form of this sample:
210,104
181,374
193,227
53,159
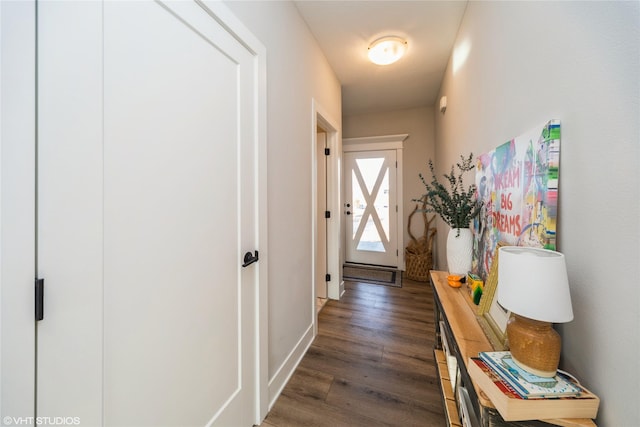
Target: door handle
250,259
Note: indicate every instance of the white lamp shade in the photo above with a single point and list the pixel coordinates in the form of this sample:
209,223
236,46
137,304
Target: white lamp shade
533,283
387,50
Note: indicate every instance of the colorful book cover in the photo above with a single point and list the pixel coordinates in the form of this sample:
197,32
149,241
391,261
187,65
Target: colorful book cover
505,359
497,380
525,383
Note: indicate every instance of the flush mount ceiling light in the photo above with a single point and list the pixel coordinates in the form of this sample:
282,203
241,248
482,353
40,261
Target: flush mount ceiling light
387,50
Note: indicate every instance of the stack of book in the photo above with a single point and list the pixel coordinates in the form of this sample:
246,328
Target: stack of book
519,395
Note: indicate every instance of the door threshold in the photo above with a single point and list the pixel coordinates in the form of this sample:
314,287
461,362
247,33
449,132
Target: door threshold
372,266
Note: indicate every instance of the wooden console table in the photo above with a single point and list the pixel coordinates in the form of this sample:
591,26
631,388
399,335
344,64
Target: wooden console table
458,328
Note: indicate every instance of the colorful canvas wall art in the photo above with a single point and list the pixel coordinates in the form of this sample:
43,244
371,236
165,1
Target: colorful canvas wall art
518,184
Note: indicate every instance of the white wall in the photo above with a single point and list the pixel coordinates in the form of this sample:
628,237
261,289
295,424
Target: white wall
297,72
418,149
578,62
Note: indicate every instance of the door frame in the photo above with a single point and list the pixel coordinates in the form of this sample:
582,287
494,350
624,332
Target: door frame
320,118
386,142
320,256
18,147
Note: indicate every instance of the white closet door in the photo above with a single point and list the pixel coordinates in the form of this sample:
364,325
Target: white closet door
17,208
146,207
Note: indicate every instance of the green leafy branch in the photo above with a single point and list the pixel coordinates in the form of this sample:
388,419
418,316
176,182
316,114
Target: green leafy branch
455,205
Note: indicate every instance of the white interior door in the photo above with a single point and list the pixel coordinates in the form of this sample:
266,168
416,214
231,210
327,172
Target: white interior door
147,204
17,209
371,207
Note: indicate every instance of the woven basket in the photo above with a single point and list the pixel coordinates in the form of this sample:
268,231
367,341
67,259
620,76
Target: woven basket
418,254
418,265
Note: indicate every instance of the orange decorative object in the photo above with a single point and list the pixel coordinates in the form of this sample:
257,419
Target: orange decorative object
454,284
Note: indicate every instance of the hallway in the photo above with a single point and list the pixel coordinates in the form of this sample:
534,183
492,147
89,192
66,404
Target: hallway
370,365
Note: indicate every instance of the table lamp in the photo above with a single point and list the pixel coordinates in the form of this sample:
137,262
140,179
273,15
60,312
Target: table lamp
533,285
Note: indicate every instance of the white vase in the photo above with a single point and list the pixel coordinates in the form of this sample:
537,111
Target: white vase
459,250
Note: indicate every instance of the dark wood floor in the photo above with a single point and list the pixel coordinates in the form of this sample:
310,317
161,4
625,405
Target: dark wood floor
370,365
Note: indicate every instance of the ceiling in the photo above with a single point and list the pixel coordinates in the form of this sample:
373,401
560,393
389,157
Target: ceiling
345,29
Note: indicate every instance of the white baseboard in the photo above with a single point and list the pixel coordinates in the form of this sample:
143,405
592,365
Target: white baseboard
286,370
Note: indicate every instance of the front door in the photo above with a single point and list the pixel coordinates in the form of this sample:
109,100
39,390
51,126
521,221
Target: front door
146,207
371,207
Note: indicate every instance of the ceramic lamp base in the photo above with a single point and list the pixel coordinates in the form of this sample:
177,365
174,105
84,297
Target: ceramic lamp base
535,346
